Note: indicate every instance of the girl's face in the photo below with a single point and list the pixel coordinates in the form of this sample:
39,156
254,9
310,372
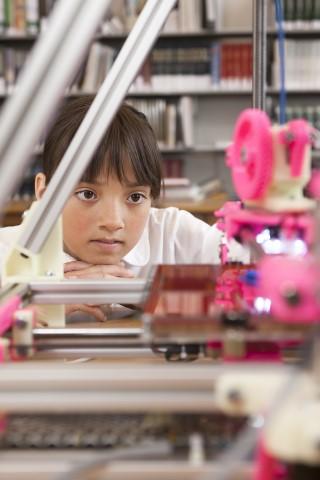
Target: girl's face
103,221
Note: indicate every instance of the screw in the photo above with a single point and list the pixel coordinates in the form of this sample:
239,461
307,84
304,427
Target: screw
49,274
20,323
234,396
292,296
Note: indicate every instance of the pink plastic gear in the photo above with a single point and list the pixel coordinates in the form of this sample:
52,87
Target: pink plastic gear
250,155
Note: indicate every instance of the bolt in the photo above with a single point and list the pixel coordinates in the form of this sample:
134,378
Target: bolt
289,137
292,296
234,396
20,323
49,274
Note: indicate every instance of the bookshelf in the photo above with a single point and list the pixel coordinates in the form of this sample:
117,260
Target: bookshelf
203,209
197,122
12,214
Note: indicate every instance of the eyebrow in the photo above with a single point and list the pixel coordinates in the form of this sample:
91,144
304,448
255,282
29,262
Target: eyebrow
126,184
134,184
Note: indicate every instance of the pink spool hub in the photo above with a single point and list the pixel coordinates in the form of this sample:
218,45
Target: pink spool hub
291,283
250,155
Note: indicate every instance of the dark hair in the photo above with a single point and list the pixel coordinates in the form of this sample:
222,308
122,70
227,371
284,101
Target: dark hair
129,140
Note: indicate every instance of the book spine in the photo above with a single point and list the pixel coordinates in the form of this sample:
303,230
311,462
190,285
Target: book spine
2,17
32,16
215,64
19,16
8,16
2,74
172,167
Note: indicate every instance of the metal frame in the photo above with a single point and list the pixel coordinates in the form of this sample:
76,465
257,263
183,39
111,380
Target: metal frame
259,54
90,387
131,291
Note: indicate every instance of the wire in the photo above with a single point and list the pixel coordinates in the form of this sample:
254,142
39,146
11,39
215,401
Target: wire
155,449
281,45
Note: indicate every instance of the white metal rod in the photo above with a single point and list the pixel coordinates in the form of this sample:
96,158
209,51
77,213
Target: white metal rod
122,291
41,375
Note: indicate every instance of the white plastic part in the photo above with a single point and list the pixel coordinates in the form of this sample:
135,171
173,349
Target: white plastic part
285,193
22,336
247,392
23,266
292,432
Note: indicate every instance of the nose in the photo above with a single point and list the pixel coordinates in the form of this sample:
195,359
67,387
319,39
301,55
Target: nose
111,217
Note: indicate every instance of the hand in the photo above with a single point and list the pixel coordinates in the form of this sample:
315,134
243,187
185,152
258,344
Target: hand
83,270
80,270
92,310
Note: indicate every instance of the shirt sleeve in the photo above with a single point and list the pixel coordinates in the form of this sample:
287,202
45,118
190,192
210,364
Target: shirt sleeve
3,251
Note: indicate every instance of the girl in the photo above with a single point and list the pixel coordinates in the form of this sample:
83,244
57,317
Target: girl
110,228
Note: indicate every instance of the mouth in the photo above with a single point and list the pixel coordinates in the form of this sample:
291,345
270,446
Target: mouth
107,241
107,244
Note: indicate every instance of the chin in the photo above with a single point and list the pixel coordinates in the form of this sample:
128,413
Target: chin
105,260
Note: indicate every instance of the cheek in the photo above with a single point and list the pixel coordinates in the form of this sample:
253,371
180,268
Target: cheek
75,223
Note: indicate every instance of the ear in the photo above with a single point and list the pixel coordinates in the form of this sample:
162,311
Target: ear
39,185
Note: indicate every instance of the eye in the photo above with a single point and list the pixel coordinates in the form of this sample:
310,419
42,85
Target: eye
136,198
86,195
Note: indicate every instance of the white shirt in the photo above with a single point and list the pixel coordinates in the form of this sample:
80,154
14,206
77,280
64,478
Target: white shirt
171,236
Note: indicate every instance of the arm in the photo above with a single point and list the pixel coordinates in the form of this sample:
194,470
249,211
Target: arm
82,270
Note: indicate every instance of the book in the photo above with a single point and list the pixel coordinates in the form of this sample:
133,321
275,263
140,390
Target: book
99,63
182,189
172,168
19,16
186,115
32,16
3,25
209,14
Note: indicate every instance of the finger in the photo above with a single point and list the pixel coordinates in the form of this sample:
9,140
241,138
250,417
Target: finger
75,265
101,271
86,276
94,311
115,270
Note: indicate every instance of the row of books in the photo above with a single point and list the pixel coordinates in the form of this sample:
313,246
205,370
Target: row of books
221,65
200,67
23,17
187,16
172,121
11,62
192,16
217,65
301,13
309,112
302,67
